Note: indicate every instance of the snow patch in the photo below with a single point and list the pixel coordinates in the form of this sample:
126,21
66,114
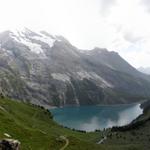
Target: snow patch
83,74
21,38
36,48
61,77
28,37
46,39
105,83
92,75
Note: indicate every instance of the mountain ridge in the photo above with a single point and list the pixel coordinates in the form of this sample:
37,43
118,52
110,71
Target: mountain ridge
48,70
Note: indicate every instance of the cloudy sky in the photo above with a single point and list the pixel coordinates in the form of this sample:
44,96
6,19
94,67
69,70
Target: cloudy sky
119,25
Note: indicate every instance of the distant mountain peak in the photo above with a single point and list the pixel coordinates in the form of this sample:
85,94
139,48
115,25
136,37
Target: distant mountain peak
33,39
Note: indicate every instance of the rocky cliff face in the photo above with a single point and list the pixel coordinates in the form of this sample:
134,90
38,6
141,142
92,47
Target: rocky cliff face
48,70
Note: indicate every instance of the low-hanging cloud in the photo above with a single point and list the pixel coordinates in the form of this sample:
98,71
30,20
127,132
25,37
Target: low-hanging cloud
124,117
91,125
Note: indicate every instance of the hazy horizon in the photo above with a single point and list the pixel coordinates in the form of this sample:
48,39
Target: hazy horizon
121,26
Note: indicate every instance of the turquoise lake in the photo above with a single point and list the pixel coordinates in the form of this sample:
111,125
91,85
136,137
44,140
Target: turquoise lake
89,118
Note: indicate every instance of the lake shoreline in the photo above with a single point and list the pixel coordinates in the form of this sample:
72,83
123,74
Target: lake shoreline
113,105
96,117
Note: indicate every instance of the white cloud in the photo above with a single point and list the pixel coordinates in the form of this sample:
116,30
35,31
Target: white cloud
105,6
115,24
146,3
122,117
126,116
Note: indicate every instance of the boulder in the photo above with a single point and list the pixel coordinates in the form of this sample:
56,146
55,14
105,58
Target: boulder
9,144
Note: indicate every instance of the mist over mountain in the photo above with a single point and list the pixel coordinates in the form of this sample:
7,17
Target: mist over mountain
48,70
145,70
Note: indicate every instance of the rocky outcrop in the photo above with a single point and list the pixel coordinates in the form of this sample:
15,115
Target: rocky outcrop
48,70
9,144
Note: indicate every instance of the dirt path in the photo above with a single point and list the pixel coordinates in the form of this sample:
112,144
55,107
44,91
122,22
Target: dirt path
66,144
2,108
102,140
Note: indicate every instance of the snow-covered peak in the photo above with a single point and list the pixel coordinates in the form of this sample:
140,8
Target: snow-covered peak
32,39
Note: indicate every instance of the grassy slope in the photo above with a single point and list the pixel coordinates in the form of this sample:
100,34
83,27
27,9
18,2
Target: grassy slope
35,129
136,133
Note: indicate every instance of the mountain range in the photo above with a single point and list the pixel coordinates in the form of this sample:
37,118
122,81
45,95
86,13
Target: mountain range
48,70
